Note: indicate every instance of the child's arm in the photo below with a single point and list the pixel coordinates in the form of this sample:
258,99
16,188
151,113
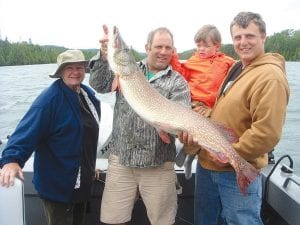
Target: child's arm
179,67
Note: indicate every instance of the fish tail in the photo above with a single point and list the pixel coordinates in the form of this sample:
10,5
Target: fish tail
245,176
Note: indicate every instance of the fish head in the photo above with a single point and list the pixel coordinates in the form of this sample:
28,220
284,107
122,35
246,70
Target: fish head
120,57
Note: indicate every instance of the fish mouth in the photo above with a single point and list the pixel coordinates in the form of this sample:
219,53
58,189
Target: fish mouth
122,52
116,34
118,42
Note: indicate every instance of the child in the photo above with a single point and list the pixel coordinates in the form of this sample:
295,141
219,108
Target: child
204,71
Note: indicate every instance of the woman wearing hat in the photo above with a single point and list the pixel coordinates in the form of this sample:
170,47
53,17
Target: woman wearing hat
61,127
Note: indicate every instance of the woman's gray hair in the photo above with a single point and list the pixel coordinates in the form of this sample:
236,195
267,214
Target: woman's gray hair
243,19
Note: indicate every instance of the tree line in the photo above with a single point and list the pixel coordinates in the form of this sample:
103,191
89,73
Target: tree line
24,53
286,42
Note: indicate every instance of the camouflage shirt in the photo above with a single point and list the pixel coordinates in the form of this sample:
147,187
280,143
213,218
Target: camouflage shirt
136,143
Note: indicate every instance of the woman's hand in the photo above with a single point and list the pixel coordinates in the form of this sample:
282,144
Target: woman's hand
8,174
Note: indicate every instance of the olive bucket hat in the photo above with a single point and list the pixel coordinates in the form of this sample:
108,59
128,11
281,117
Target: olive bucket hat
67,57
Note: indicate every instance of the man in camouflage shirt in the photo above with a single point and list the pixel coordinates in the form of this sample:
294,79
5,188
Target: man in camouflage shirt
139,160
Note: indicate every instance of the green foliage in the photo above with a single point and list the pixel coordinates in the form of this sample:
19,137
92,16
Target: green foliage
137,55
26,54
286,43
229,50
186,54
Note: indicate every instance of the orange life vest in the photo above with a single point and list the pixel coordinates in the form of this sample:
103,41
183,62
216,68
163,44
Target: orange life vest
203,75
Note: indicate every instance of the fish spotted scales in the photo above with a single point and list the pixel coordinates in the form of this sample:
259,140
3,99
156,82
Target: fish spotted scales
171,117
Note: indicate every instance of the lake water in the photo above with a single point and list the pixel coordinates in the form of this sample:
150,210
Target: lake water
21,84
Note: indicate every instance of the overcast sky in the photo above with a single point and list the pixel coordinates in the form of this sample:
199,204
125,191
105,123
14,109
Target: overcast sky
78,24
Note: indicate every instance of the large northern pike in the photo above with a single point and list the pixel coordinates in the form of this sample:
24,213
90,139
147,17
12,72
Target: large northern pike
170,116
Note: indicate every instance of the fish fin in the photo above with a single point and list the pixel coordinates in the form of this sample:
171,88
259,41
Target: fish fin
222,158
188,166
119,87
245,176
116,84
227,132
219,156
164,136
180,157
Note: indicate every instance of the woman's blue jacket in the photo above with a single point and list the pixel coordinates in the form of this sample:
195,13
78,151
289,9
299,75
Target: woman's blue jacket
52,129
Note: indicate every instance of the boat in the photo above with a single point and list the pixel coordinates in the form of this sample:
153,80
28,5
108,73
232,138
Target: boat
21,205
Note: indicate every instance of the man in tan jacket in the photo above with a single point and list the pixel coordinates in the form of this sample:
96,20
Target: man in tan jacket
252,101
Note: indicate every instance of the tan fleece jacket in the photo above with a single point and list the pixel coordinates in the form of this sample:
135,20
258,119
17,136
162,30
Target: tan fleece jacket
254,106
